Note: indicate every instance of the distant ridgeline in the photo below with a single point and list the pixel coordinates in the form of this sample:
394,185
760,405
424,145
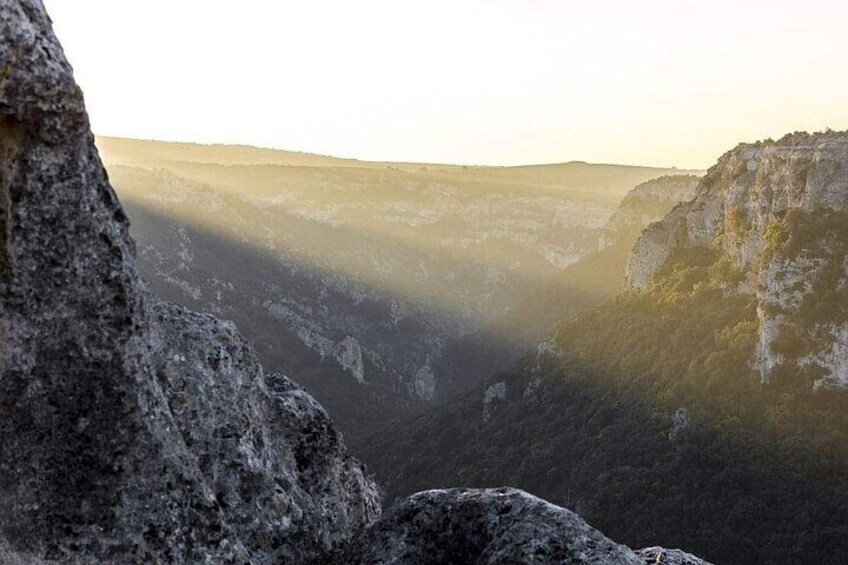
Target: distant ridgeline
704,406
362,278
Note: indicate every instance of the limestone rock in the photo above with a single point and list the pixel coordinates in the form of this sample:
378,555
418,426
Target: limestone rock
778,211
650,201
681,422
495,392
132,430
493,526
662,556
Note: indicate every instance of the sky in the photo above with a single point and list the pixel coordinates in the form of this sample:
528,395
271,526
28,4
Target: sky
653,82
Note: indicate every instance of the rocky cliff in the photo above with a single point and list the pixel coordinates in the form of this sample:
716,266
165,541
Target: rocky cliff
650,201
492,527
776,211
132,429
356,279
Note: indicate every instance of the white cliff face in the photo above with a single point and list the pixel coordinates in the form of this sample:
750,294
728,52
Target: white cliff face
650,201
834,357
349,355
548,351
766,358
655,245
777,210
680,422
424,382
346,352
496,391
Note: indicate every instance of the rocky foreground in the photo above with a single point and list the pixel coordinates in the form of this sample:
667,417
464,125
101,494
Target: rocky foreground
132,430
502,526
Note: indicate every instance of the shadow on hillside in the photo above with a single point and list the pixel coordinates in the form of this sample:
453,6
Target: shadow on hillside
653,425
234,280
207,269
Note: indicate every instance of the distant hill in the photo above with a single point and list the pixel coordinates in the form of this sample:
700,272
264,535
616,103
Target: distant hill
577,176
356,276
123,151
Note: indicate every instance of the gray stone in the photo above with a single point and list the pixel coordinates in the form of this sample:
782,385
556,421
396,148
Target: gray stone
662,556
493,526
681,422
133,430
649,202
495,392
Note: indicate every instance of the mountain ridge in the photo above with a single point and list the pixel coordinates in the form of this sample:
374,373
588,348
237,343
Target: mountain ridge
117,149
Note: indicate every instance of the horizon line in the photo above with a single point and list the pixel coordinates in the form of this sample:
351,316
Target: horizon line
390,162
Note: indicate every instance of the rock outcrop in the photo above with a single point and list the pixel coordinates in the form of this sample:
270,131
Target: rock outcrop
778,212
132,430
650,201
662,556
494,526
494,393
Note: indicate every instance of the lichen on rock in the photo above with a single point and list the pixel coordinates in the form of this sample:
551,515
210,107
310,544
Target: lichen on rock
133,430
493,527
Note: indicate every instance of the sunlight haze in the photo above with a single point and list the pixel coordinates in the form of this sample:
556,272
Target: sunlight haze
662,83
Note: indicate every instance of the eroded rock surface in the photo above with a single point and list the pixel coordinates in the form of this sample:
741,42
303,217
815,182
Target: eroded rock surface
132,430
492,526
650,201
662,556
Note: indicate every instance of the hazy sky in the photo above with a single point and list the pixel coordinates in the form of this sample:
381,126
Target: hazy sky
659,82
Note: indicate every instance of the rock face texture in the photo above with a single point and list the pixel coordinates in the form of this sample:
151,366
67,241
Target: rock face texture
132,430
662,556
650,201
778,212
494,392
497,526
